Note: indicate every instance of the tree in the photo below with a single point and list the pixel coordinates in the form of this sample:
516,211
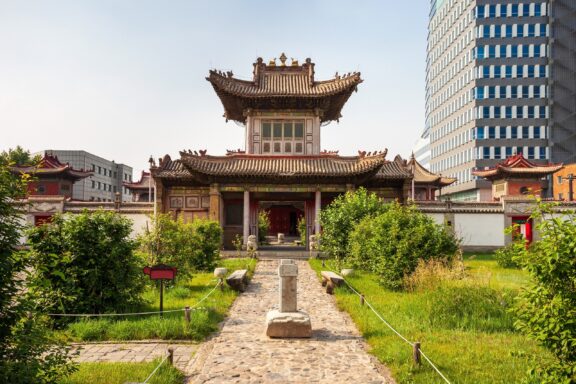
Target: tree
28,353
341,216
546,309
85,263
18,156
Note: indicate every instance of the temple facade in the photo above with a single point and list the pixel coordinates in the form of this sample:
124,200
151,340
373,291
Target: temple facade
283,169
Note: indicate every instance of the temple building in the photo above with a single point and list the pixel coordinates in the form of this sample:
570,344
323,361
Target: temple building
141,190
282,169
518,176
51,177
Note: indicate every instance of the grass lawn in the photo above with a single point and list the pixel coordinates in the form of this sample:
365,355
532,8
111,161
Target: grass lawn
172,326
487,351
120,373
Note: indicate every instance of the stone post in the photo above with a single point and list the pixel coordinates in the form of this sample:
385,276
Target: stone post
288,272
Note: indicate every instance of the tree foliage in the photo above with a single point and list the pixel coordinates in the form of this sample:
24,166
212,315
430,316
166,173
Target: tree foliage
263,225
27,352
546,310
18,156
190,247
85,263
341,216
391,243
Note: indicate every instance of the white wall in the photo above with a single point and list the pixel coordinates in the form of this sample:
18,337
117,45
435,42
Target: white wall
139,221
485,230
437,217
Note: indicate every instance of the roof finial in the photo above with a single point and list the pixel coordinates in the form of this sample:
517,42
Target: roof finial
283,59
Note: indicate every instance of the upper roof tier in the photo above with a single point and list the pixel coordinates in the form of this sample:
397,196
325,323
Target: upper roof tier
283,87
50,166
517,166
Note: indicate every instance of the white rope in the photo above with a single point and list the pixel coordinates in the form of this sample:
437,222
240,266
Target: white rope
154,371
133,313
394,330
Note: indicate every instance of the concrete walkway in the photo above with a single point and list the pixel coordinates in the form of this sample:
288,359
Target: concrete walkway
242,353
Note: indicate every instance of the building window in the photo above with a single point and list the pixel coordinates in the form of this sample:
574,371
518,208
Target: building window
233,213
283,136
93,184
99,170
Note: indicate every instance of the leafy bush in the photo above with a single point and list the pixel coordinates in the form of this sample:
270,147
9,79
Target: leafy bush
470,307
263,225
85,263
392,243
341,216
506,257
28,354
302,230
546,310
189,247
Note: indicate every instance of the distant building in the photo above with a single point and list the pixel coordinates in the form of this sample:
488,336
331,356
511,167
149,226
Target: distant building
518,176
51,177
563,183
422,149
499,81
107,179
143,189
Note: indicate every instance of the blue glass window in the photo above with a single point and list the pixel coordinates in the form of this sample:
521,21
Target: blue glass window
492,51
492,10
497,32
508,71
514,51
492,92
485,31
491,132
525,50
508,112
525,133
536,50
497,71
542,71
520,30
520,71
480,52
525,91
502,50
486,71
486,112
508,30
537,91
531,152
497,112
480,11
531,30
537,9
514,10
508,151
480,131
514,92
542,152
537,133
480,93
531,112
486,152
514,132
530,71
497,153
542,112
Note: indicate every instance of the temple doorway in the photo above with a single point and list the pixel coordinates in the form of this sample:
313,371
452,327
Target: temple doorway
283,217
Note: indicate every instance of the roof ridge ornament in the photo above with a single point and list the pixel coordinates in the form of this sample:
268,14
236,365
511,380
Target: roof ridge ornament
283,59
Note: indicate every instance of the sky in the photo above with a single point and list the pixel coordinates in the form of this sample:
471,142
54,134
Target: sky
125,79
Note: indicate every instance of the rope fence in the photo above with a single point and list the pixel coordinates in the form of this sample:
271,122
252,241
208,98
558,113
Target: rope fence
186,309
415,345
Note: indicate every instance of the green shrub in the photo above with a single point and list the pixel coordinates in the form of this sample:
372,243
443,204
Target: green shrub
302,230
341,216
189,247
263,225
546,310
85,263
507,257
391,243
470,307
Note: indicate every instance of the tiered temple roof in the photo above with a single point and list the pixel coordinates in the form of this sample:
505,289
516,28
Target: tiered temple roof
141,185
424,176
50,166
517,166
289,87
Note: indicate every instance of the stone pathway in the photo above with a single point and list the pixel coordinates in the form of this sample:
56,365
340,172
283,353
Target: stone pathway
134,352
241,352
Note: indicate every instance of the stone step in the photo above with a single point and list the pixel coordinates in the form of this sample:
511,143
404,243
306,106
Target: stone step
273,255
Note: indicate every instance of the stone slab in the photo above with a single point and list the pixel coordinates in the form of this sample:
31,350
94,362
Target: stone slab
288,324
288,270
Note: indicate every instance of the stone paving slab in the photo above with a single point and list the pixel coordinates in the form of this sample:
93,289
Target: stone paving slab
242,353
133,352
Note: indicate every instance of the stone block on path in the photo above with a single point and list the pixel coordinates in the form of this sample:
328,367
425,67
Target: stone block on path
288,324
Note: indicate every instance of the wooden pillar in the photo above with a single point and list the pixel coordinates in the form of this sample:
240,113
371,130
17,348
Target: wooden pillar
246,217
318,204
215,202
